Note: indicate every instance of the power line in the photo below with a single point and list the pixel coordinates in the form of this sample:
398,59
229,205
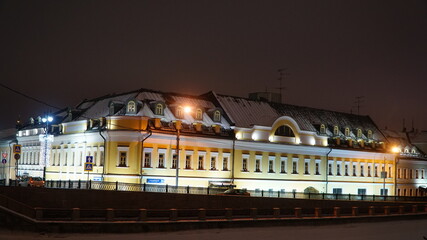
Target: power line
29,97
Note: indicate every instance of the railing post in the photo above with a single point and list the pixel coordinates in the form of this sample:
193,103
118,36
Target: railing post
349,196
309,195
207,190
371,210
373,198
414,208
386,210
228,213
318,212
337,211
295,193
202,214
110,214
142,214
278,193
276,212
354,211
323,195
262,193
117,185
298,212
167,186
173,214
143,187
75,214
79,185
188,189
39,213
401,209
90,184
254,213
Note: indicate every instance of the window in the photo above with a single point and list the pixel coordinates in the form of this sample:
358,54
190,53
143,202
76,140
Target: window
213,163
336,130
422,173
329,168
370,134
398,173
187,161
159,109
179,112
271,166
346,170
384,192
369,171
376,171
337,190
225,164
123,159
389,171
361,191
322,129
258,165
199,114
95,155
131,108
317,168
174,160
217,116
201,162
338,169
404,173
354,170
282,166
284,131
147,160
362,170
101,155
245,165
410,174
359,133
306,166
416,173
294,167
347,132
161,160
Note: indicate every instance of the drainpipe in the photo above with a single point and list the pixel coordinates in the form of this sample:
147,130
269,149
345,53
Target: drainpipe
232,161
103,153
142,154
327,169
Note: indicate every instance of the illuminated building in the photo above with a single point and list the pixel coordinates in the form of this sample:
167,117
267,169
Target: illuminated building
222,139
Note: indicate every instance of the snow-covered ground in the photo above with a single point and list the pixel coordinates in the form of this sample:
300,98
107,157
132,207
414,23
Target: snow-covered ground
393,230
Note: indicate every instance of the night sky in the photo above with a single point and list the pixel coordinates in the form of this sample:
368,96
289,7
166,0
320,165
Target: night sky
62,52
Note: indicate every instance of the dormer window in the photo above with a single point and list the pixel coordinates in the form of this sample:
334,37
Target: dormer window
359,133
159,109
217,116
370,134
336,130
179,112
322,129
347,132
414,151
131,108
199,114
284,131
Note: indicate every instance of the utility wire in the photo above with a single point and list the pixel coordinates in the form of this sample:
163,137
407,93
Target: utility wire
29,97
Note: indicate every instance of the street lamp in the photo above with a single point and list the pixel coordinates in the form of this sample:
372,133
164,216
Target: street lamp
46,120
187,109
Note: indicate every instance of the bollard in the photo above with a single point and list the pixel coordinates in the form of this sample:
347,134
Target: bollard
75,214
386,210
228,213
298,212
371,210
39,213
414,208
202,214
401,209
253,213
354,211
337,211
142,214
173,214
276,212
110,214
317,212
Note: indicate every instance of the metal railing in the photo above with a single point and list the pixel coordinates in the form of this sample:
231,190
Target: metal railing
119,186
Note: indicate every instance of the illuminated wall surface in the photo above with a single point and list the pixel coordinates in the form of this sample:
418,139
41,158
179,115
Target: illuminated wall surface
254,144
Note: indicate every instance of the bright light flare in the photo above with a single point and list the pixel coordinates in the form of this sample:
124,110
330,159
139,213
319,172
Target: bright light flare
187,109
395,149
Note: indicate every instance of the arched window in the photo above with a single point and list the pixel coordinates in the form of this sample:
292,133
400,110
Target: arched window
179,112
284,131
217,116
131,108
347,132
159,109
336,130
359,133
369,134
322,129
199,114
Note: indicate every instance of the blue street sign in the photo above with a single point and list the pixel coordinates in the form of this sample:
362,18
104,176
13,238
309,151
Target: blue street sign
4,161
155,180
88,166
89,159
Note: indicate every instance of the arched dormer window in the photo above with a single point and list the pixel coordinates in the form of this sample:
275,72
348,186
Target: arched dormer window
179,112
199,114
370,134
159,109
322,129
131,107
217,116
336,130
347,132
406,150
414,151
359,133
284,131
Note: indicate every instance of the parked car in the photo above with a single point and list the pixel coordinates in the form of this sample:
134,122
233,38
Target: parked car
235,192
31,182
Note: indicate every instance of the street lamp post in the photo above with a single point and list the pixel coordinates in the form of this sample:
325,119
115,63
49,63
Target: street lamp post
177,154
46,120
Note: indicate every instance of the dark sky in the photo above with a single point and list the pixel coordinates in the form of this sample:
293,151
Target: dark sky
62,52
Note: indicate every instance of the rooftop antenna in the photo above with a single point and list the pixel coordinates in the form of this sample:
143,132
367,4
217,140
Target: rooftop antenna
282,74
359,100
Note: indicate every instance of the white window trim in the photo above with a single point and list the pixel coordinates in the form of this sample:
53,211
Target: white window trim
248,165
297,166
227,155
284,159
309,170
148,150
122,149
